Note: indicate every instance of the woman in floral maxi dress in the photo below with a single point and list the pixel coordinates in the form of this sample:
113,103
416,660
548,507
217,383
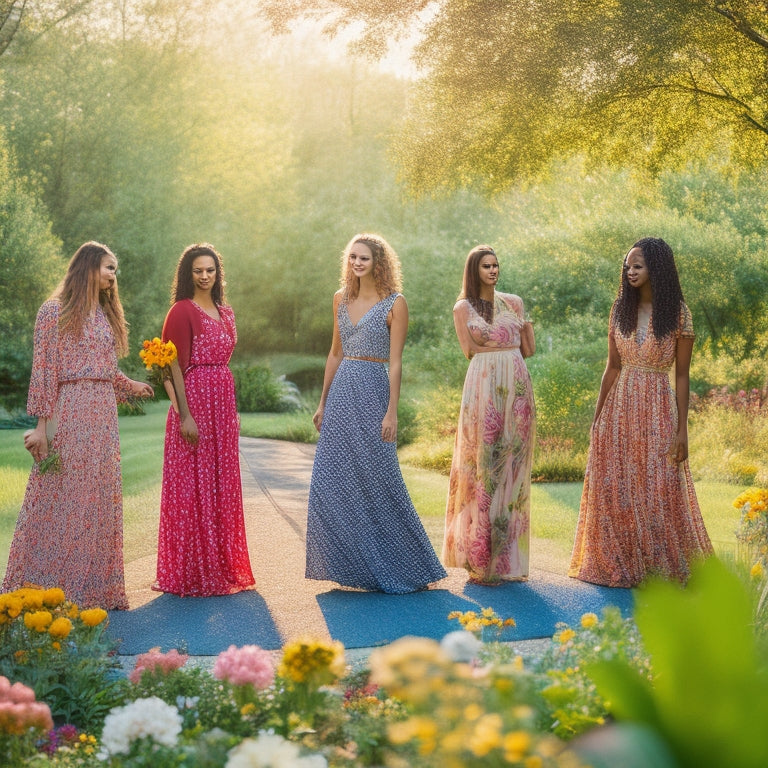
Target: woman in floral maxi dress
69,532
202,548
639,515
487,525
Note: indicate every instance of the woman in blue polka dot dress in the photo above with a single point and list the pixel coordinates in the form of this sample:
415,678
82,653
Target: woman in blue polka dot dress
362,528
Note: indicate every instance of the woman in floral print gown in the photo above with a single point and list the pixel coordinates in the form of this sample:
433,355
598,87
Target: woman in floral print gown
69,532
639,515
202,549
487,525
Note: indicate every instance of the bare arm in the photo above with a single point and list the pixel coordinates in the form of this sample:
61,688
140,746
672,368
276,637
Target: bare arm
332,363
611,373
460,318
679,449
398,330
187,423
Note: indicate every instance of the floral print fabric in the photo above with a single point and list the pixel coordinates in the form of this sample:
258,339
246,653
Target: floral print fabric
69,532
487,524
639,515
202,547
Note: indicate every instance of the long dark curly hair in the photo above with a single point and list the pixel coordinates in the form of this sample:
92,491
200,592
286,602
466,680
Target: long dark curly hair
667,296
183,286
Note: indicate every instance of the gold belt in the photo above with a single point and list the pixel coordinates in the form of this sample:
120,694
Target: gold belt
648,368
368,359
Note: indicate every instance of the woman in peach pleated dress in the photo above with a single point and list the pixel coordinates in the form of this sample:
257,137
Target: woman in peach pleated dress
639,515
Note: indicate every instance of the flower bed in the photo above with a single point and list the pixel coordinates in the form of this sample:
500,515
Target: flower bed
594,697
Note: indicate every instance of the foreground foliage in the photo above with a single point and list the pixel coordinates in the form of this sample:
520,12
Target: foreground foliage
671,688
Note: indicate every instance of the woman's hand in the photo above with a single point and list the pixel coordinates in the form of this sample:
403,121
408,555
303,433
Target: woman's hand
389,428
317,419
189,430
679,450
141,389
36,442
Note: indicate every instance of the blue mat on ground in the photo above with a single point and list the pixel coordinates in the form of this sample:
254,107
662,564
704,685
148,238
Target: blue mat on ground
200,626
367,619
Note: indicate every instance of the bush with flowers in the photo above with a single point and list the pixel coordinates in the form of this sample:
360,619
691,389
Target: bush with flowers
22,718
573,704
752,536
61,652
461,702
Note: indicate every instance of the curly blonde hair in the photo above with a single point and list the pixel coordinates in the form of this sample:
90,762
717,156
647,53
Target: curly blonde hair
386,267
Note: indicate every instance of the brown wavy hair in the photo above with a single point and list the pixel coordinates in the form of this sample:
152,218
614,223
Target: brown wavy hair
183,287
78,295
666,293
386,268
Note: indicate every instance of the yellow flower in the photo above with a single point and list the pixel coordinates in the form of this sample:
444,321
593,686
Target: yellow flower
589,620
53,597
56,645
566,635
11,606
91,617
516,744
38,620
756,571
246,709
31,598
486,735
60,628
157,352
316,662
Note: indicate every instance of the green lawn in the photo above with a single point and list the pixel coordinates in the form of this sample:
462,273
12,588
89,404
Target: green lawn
555,506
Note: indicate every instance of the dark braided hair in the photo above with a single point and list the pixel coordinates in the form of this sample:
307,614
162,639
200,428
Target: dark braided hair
667,296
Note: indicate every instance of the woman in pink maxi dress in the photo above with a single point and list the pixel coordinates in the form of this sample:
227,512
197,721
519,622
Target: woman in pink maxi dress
69,532
202,547
639,515
487,523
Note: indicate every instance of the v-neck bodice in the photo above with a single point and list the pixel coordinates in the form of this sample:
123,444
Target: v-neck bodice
369,337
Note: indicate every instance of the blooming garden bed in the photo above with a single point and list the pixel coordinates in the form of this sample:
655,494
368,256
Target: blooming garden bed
684,683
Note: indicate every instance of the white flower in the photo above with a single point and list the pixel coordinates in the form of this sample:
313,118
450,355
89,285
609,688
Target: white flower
143,717
461,646
271,751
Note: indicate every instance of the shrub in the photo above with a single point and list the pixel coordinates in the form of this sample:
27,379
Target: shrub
62,653
258,390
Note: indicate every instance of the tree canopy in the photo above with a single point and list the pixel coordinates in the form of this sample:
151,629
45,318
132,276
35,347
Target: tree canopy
508,87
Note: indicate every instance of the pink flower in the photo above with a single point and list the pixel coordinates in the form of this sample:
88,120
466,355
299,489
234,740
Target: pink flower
483,498
249,665
523,417
493,424
155,661
19,712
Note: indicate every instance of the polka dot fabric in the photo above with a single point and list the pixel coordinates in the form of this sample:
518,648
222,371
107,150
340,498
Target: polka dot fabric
362,528
202,548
